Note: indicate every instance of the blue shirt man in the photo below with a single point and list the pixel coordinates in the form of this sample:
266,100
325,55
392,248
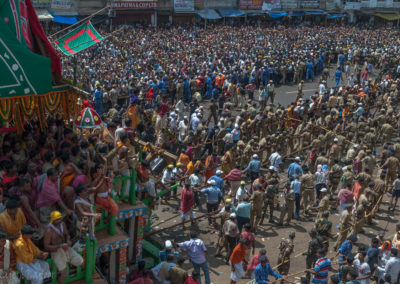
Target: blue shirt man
294,169
213,193
346,247
342,59
98,99
309,71
219,182
254,165
373,254
186,90
295,186
264,269
338,76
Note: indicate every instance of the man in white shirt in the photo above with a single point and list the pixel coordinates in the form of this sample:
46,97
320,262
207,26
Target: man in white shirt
322,88
275,160
183,129
392,266
363,269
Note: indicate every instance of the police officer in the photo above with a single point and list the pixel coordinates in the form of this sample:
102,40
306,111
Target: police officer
324,227
288,206
270,192
285,250
345,226
313,246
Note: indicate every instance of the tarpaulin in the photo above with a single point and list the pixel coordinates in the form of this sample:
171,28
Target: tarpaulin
277,15
389,17
208,14
230,12
44,15
65,20
335,16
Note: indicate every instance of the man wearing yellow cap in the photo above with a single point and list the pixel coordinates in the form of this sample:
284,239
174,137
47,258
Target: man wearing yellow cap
58,243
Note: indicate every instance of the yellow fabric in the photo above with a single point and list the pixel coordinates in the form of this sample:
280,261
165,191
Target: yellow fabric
190,168
11,226
55,215
389,17
25,250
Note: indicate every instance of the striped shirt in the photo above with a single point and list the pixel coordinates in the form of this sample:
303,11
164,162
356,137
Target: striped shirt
322,267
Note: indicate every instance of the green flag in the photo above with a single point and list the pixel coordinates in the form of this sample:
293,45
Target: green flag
79,39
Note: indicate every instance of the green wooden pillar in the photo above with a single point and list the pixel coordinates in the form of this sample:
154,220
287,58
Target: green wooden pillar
132,190
90,259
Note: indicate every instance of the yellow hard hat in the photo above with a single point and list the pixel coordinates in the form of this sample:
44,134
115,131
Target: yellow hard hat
228,200
242,182
178,164
170,166
55,215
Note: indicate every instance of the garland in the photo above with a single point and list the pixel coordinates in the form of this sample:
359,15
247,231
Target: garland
25,108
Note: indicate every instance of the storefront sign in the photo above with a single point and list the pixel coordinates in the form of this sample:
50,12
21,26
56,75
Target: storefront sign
269,5
251,4
183,5
41,3
61,4
309,4
121,5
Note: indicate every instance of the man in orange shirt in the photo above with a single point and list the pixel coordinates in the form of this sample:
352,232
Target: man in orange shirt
236,259
357,188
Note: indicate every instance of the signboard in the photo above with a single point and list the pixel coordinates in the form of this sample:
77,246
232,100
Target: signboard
183,5
269,5
290,4
352,6
309,4
251,4
121,5
61,4
41,3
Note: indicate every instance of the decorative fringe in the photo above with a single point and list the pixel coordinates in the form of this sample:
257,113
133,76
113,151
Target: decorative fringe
26,108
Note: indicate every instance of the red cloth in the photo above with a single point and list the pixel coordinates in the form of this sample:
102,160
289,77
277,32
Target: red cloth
7,180
108,204
190,280
234,175
248,236
37,30
187,200
163,109
142,280
255,260
150,94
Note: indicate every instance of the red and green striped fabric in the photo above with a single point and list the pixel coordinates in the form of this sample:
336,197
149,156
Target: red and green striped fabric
79,39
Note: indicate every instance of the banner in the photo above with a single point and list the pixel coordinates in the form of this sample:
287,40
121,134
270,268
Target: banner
79,39
183,5
61,4
41,3
269,5
121,5
251,4
309,4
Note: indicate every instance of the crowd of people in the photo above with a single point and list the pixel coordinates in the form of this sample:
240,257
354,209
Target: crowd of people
211,102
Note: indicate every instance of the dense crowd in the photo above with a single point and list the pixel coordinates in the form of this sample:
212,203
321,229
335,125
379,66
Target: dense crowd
207,98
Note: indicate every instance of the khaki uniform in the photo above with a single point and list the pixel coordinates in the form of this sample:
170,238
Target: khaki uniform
334,178
393,166
345,223
285,250
288,207
360,220
313,246
307,191
324,206
257,200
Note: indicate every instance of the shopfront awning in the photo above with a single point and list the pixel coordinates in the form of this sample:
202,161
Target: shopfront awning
277,15
252,13
230,13
335,16
65,20
44,15
389,17
316,13
208,14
